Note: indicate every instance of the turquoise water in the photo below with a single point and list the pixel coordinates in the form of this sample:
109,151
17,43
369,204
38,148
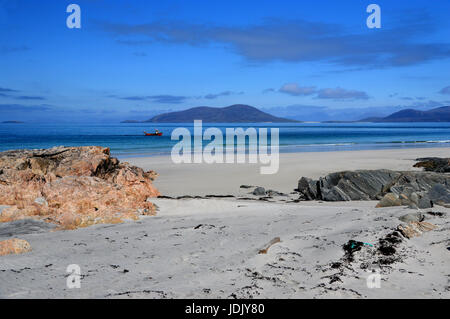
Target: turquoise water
128,139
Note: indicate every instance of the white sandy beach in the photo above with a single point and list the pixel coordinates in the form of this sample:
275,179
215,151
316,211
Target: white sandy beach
204,179
208,248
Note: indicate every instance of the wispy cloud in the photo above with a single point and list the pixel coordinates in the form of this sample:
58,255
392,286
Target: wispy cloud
269,90
296,90
300,41
326,93
140,54
24,108
10,93
11,49
173,99
27,97
163,98
7,90
410,98
445,90
342,94
168,99
134,98
135,42
225,93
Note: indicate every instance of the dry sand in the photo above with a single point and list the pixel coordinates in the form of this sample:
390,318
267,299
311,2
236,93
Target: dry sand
204,179
208,248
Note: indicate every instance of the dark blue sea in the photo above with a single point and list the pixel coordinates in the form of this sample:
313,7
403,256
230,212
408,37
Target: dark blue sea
128,139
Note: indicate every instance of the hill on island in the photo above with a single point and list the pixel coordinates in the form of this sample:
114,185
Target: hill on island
237,113
440,114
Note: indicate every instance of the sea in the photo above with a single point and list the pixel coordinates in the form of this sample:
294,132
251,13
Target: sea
128,139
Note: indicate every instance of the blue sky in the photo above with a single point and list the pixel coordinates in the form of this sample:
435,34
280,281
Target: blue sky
303,59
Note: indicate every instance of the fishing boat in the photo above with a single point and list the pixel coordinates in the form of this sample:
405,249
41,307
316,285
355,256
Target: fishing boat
157,133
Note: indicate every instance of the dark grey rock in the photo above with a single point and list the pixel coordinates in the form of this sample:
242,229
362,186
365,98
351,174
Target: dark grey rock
389,200
434,164
271,192
425,202
412,217
259,191
440,194
308,188
414,198
349,185
411,187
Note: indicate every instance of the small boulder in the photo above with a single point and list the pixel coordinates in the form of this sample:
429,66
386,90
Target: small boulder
388,200
308,189
434,164
425,202
439,194
412,217
415,229
3,207
414,198
14,246
259,191
272,192
405,199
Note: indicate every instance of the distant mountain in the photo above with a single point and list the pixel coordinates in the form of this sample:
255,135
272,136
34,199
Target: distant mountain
12,122
237,113
440,114
312,113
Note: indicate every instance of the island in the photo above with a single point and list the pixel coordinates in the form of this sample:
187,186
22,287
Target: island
440,114
238,113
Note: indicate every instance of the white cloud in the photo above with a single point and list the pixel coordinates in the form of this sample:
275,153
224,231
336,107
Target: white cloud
295,89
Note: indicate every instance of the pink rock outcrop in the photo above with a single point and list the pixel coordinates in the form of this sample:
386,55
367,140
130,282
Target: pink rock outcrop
415,229
73,186
14,246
